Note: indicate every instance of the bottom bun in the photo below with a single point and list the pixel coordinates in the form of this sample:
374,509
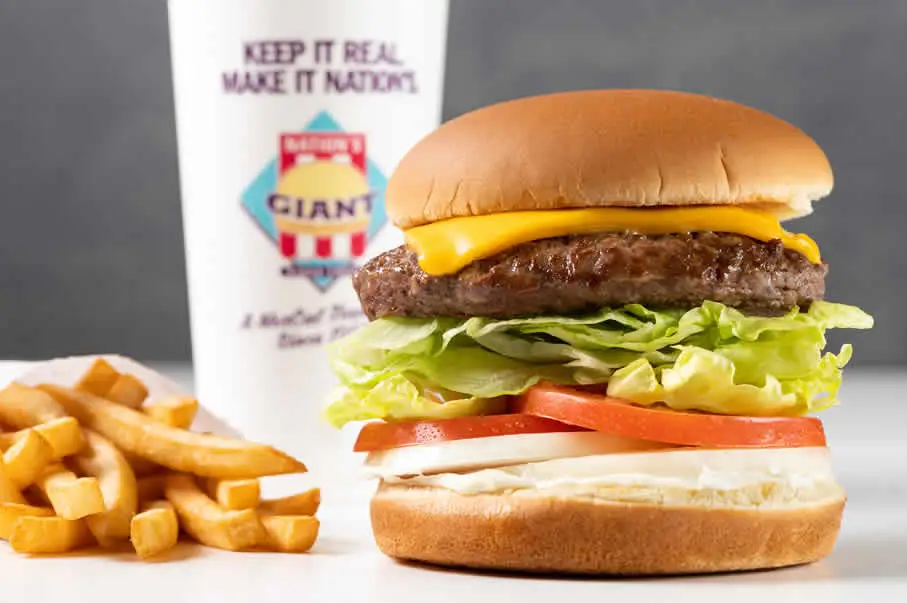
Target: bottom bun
534,532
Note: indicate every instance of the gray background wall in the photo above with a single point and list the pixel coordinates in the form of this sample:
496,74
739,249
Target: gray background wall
91,252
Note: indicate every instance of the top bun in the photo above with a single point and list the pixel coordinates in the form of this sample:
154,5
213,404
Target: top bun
608,148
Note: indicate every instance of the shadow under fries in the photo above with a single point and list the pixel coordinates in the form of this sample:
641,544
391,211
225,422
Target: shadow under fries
124,553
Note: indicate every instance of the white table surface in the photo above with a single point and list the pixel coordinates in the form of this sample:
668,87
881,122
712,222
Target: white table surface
869,563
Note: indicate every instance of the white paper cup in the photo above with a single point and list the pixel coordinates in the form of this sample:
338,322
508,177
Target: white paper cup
290,117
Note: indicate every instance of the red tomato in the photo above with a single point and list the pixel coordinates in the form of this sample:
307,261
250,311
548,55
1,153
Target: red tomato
381,436
619,417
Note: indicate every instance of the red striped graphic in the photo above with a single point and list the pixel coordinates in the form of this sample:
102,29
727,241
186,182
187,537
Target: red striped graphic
288,245
323,247
357,244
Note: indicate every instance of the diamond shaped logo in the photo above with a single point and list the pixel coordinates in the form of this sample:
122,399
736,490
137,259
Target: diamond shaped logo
320,201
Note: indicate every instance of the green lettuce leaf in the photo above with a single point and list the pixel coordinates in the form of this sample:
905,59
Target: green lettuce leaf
711,358
400,398
706,381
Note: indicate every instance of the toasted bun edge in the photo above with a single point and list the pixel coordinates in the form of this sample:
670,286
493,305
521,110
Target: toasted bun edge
581,535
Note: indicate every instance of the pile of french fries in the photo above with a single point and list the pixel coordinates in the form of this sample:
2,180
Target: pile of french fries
96,464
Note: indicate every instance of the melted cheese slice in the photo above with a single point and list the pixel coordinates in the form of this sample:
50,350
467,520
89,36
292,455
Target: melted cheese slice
448,246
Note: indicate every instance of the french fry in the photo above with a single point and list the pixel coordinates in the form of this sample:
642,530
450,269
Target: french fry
155,530
26,459
291,533
175,411
305,503
48,535
178,449
102,460
64,436
128,391
142,467
35,496
234,494
8,490
71,497
150,488
11,512
105,430
22,406
98,379
209,523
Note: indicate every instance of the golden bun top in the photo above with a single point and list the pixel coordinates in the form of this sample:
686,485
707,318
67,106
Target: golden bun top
608,148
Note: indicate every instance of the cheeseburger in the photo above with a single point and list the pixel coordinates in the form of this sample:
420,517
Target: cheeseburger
598,348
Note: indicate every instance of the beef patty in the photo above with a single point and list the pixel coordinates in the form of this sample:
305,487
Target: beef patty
574,274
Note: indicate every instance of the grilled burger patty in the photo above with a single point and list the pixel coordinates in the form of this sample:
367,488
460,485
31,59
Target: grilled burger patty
574,274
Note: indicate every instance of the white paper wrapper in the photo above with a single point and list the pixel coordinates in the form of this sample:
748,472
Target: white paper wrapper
66,372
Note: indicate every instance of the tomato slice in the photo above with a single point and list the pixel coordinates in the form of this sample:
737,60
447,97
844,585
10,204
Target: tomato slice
383,436
619,417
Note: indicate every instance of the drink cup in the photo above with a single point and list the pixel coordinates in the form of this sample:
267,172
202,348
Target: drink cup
291,114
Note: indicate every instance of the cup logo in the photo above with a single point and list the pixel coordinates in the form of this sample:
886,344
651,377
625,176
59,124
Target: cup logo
322,197
319,201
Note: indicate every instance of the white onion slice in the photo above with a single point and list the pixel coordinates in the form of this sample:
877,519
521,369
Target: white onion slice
476,453
693,469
